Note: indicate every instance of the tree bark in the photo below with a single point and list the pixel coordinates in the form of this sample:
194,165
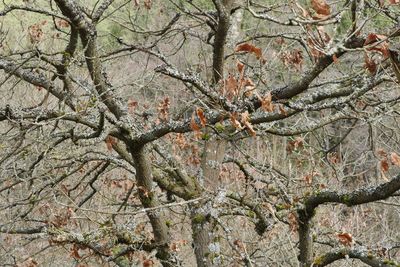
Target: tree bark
149,199
214,149
305,239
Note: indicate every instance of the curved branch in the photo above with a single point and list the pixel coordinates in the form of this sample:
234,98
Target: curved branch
35,79
357,197
363,255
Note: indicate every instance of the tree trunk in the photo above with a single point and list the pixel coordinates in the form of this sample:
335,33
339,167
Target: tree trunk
202,235
149,199
214,150
305,239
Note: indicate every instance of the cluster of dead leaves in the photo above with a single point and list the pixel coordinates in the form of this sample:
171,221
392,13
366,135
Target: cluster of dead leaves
244,122
345,239
163,109
199,113
62,23
125,184
293,58
321,8
239,244
334,157
36,33
375,43
74,251
132,105
61,219
147,3
233,84
294,145
308,178
317,38
268,106
190,148
384,161
266,102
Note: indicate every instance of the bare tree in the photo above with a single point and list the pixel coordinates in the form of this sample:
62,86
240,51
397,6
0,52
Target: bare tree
199,133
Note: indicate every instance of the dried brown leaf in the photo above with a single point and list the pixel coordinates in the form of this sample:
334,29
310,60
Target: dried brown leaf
282,110
384,165
381,46
345,238
110,141
266,103
321,7
202,117
370,64
195,127
249,48
235,123
240,67
245,120
395,159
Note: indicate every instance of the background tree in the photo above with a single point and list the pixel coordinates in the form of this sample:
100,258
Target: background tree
199,133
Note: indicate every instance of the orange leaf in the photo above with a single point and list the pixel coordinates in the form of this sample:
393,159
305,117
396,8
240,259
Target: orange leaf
382,46
381,152
249,48
202,117
395,159
132,104
249,86
235,122
231,86
266,102
333,157
308,179
345,238
240,67
282,110
163,109
245,120
148,263
110,141
335,59
370,64
75,252
321,7
384,165
292,58
194,126
295,144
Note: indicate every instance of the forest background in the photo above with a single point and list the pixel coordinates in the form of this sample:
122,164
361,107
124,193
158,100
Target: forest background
199,133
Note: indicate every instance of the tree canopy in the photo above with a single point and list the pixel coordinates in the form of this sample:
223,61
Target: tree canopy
199,133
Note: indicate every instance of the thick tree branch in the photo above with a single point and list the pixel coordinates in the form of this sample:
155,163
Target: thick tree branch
88,34
36,79
357,197
363,255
